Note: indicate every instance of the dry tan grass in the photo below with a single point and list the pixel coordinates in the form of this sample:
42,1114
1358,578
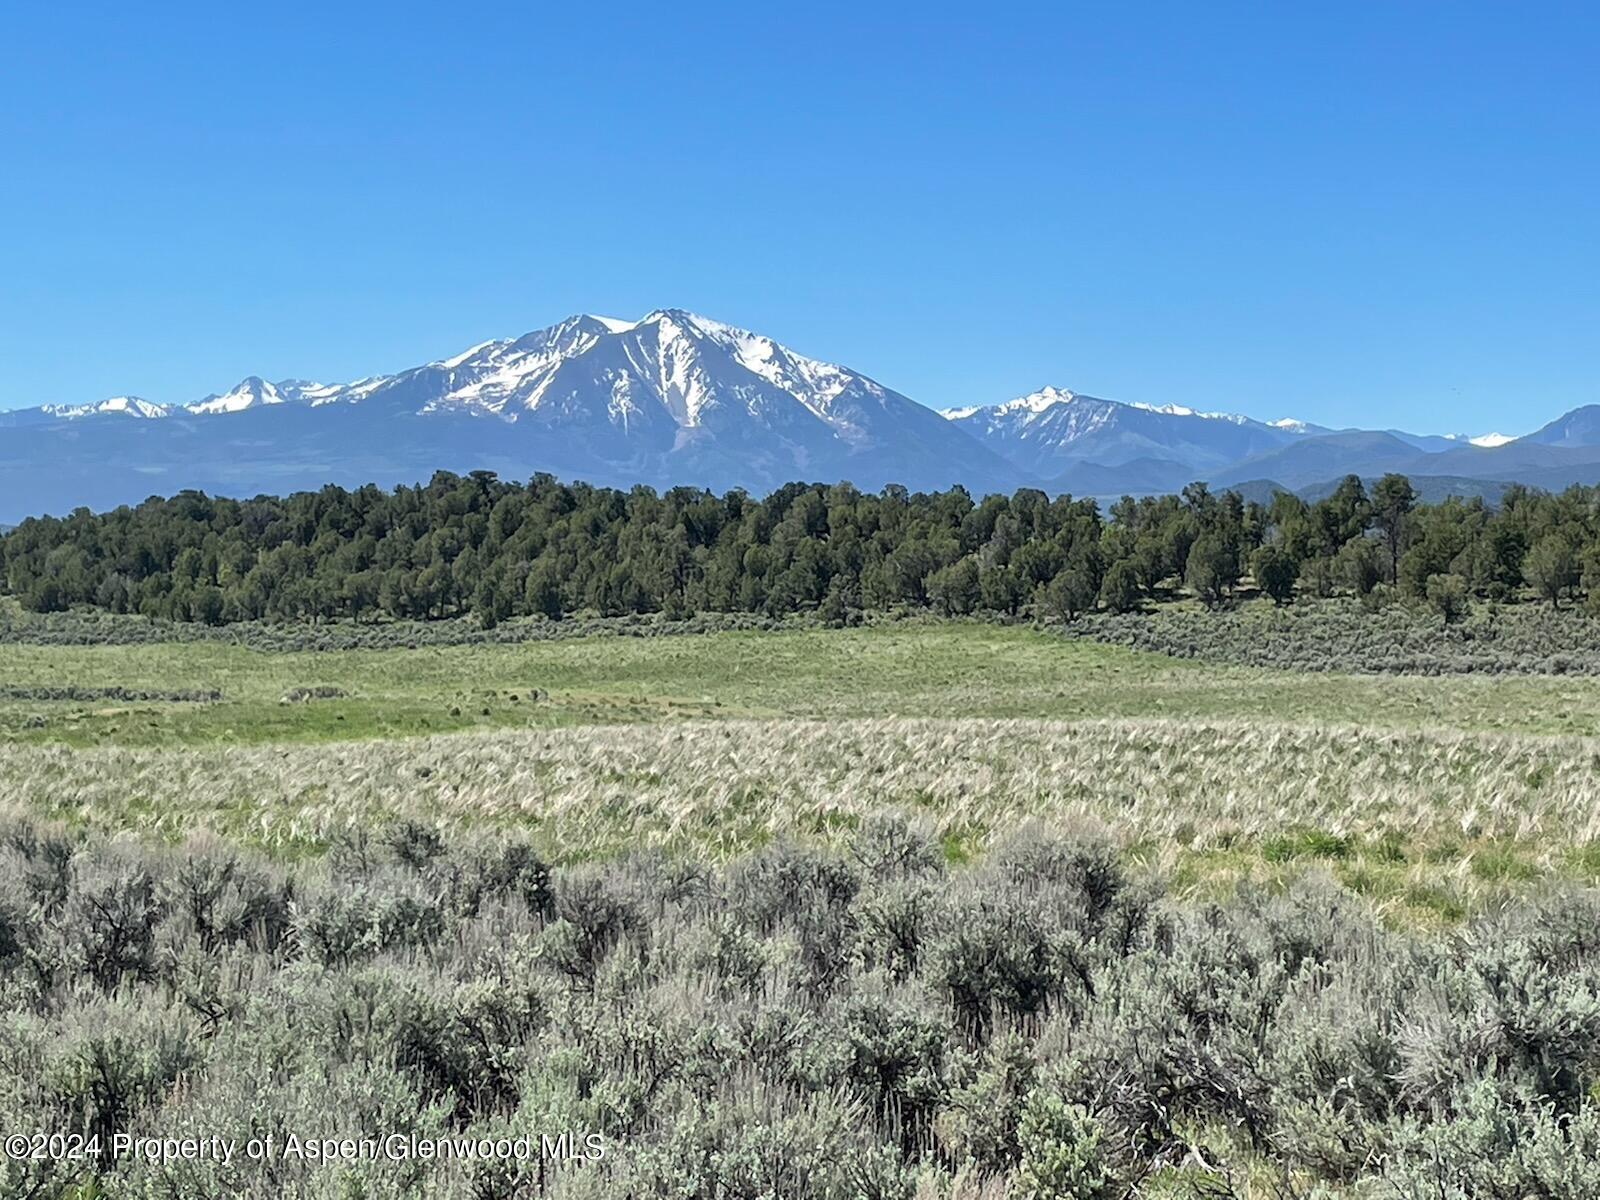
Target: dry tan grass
727,785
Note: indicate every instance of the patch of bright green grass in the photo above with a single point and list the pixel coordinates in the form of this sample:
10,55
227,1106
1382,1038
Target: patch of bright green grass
1583,861
1497,864
1306,843
1441,884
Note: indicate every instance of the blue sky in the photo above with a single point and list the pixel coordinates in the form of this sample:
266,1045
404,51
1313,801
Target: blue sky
1377,214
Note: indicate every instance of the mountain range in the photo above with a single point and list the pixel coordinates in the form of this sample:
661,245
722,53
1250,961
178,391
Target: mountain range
676,398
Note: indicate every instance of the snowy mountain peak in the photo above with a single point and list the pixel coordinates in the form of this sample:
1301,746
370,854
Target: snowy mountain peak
1037,402
1487,440
665,376
1047,398
676,397
131,406
671,365
1023,407
251,392
1180,410
1046,431
455,360
682,318
305,391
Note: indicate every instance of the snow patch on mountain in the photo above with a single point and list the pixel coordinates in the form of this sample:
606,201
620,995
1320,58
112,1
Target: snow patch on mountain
814,383
131,406
1047,398
1048,431
1180,410
471,351
1487,440
1023,408
1035,403
305,391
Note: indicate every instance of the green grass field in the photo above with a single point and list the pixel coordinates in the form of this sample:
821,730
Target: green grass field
915,670
1433,795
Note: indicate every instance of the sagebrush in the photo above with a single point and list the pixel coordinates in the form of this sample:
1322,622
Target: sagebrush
797,1022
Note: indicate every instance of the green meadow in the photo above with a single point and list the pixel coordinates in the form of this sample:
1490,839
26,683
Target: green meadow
911,670
1434,795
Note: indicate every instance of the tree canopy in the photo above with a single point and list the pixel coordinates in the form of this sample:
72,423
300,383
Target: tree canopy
480,545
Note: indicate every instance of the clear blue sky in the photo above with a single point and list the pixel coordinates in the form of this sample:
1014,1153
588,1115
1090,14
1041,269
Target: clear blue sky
1357,213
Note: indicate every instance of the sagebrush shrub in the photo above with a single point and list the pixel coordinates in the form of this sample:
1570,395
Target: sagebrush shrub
1368,636
802,1022
1061,1152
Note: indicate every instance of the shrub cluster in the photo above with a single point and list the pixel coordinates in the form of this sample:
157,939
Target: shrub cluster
89,627
798,1023
81,693
1346,637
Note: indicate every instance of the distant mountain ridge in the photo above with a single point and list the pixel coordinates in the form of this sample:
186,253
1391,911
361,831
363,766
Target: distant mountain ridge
675,398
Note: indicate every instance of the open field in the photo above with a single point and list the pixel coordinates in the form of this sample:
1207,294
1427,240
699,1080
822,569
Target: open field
896,670
1430,823
1433,795
921,911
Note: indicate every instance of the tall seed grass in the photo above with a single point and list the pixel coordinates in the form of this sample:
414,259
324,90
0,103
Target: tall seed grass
1203,786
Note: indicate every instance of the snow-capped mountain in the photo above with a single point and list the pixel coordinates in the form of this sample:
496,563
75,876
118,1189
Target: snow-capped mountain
680,397
253,392
1295,425
675,398
672,398
1489,440
1047,431
131,406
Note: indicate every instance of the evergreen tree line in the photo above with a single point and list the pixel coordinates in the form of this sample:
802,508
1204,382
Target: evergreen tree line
479,545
